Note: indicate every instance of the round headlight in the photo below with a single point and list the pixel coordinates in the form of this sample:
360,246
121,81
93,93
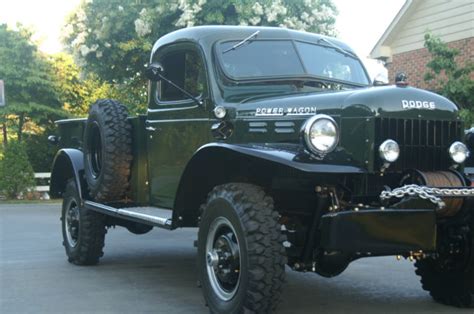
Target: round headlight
389,151
321,134
458,152
220,112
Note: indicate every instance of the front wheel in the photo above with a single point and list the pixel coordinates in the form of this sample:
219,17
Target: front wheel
83,230
449,275
241,257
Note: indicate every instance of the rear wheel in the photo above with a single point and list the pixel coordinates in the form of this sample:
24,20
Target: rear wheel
241,258
83,230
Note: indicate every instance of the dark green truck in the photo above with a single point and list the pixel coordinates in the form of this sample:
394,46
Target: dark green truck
278,147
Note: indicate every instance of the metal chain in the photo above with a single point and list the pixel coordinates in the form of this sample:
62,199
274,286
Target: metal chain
431,194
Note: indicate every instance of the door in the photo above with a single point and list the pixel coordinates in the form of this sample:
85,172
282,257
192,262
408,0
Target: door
176,125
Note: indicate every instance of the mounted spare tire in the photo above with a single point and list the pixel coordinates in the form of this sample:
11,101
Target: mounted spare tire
107,150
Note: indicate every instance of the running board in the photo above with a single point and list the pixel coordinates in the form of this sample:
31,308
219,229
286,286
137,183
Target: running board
151,216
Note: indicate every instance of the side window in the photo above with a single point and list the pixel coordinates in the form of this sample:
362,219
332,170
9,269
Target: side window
185,69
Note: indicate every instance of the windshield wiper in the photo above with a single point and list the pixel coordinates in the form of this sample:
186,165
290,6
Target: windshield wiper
333,45
241,43
323,80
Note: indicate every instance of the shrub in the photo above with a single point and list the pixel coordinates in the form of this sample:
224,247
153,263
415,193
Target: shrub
449,77
16,173
40,151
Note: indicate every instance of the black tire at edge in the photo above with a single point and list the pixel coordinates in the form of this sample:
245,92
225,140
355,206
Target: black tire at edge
92,230
455,287
251,213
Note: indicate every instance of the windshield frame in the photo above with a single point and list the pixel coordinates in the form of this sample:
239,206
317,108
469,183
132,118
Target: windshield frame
218,53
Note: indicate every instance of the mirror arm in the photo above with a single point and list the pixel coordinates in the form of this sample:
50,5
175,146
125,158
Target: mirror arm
197,101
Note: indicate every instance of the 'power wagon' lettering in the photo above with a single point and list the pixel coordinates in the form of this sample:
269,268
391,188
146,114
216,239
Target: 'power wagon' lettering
279,111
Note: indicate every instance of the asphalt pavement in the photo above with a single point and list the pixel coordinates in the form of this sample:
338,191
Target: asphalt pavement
155,273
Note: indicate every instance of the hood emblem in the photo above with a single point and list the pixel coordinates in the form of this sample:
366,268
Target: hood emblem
418,104
285,111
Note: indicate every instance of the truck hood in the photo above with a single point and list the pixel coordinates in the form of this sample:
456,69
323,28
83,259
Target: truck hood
387,101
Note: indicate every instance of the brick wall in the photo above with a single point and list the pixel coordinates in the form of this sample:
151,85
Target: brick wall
413,63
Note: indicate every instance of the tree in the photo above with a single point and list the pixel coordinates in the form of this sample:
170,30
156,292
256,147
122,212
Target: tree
16,173
449,78
77,91
29,84
113,39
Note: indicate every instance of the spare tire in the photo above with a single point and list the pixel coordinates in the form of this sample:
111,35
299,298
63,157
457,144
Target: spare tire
107,150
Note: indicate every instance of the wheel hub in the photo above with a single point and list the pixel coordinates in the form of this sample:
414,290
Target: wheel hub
212,258
72,224
227,269
454,249
95,150
223,259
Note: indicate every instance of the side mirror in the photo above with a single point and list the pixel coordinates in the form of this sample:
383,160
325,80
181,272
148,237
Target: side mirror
154,71
53,139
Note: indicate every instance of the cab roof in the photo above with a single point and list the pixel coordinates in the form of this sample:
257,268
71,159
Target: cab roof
208,35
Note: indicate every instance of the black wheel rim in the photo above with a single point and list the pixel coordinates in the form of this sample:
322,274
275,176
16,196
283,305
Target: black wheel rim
72,223
456,253
95,150
223,259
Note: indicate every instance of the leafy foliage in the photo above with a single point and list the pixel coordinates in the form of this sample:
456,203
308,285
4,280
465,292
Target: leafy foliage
16,173
76,92
451,79
113,39
26,73
40,152
29,83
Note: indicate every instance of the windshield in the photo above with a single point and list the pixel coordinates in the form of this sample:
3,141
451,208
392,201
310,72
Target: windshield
285,59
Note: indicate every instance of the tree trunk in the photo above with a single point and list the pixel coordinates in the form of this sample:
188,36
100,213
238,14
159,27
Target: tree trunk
21,121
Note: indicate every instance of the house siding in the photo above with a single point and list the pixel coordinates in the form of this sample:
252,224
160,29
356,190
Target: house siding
451,20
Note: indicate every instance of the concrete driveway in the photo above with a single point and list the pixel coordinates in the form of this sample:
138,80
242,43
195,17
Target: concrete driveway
155,273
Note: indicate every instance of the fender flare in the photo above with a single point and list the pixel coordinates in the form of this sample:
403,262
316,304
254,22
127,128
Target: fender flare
68,163
282,154
189,194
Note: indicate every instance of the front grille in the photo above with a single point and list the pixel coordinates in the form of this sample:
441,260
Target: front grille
423,144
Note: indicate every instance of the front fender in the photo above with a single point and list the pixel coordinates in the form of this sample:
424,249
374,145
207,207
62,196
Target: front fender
284,154
68,163
218,163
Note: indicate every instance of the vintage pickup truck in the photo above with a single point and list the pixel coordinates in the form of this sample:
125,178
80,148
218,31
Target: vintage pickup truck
277,145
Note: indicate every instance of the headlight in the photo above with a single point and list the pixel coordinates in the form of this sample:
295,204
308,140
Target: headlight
389,150
320,134
458,152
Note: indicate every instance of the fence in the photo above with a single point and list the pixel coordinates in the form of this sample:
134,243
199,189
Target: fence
41,188
42,181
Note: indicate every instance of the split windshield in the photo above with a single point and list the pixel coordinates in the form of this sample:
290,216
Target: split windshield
258,59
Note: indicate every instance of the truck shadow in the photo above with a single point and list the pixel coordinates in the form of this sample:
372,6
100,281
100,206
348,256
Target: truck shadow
168,268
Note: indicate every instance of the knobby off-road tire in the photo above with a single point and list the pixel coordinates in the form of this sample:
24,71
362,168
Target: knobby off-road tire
83,230
450,278
107,150
239,230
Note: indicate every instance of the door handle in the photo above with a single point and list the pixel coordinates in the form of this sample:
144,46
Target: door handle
150,128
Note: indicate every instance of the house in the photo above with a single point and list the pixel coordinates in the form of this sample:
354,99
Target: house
401,47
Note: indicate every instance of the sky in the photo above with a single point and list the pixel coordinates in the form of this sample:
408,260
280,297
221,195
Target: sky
360,23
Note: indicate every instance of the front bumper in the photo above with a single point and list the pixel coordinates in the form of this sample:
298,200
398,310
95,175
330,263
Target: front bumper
379,231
